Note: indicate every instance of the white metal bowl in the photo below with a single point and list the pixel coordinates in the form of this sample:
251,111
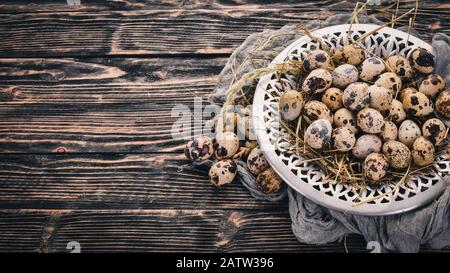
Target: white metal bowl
305,177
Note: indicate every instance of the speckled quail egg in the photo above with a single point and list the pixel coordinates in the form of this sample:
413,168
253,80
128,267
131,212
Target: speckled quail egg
316,59
291,104
397,153
443,103
400,66
318,133
417,104
317,81
408,132
389,131
365,145
256,162
200,148
380,97
370,121
332,98
422,60
422,152
356,96
226,122
432,85
343,139
390,81
349,54
406,91
315,110
397,113
222,172
344,75
245,125
268,182
375,167
371,68
344,117
226,145
434,129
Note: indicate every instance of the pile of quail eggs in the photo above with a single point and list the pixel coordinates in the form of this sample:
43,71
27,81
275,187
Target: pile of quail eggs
387,113
233,140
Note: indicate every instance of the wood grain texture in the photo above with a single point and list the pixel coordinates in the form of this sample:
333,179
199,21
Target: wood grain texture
114,181
100,105
168,31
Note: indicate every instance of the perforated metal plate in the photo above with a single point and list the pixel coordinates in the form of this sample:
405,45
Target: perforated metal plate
308,179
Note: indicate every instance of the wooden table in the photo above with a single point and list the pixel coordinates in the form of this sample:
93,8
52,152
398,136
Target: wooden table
85,118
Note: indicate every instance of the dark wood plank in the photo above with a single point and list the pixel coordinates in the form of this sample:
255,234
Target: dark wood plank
116,181
166,230
174,31
99,105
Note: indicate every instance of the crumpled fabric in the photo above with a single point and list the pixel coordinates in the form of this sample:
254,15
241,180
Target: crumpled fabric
314,224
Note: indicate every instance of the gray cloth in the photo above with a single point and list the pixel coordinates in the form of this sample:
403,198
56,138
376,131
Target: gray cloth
312,223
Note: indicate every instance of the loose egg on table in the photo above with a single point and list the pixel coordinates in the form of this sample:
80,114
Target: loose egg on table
227,145
268,182
222,172
256,162
201,148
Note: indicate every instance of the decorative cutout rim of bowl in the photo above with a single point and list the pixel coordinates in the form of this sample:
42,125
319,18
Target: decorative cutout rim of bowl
306,178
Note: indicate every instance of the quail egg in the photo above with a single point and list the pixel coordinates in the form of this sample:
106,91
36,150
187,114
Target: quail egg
389,131
268,182
375,167
226,122
344,75
380,97
370,121
227,144
315,110
349,54
200,148
318,133
344,117
343,139
422,60
316,59
406,91
256,162
432,85
356,96
400,66
332,98
397,113
417,104
245,125
222,172
422,152
371,68
408,132
390,81
291,104
397,153
434,129
317,81
443,103
365,145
